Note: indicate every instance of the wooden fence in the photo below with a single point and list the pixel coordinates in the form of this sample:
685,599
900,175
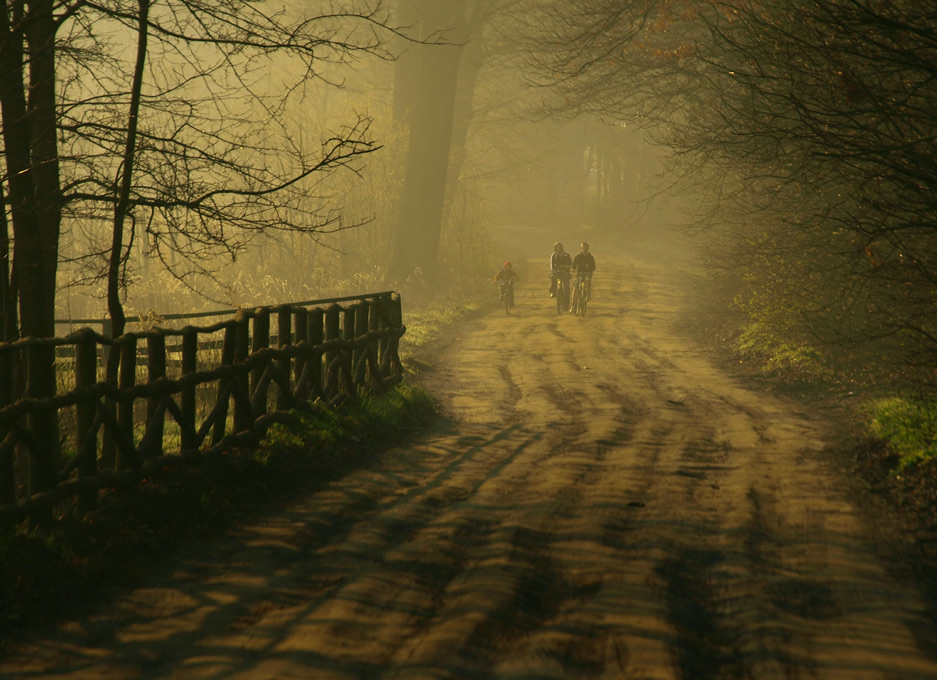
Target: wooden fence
178,393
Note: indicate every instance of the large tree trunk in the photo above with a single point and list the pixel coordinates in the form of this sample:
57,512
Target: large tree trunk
419,216
31,155
472,60
37,291
407,64
17,134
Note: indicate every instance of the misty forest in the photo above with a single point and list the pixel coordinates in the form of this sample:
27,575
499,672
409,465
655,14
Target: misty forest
165,157
757,175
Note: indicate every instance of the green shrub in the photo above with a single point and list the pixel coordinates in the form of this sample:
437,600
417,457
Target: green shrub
364,420
908,427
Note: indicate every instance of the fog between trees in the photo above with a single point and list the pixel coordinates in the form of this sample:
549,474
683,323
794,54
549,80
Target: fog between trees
305,149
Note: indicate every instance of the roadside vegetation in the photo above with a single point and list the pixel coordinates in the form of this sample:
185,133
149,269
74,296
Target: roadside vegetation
908,428
44,570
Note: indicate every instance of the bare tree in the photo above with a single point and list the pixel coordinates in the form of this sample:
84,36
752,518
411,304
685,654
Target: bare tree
203,159
179,140
808,127
832,107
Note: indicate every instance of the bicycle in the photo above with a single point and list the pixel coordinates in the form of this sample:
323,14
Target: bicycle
582,293
506,289
562,292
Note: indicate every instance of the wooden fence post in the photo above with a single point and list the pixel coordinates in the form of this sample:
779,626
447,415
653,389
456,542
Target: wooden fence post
301,332
374,324
396,322
126,380
374,314
243,412
284,364
7,459
187,399
107,330
261,340
361,328
348,356
156,369
383,355
40,384
108,458
86,375
227,356
316,336
333,358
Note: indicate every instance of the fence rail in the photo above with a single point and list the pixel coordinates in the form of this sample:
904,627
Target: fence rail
177,393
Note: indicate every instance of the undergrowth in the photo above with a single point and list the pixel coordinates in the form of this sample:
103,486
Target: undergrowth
425,325
365,421
907,427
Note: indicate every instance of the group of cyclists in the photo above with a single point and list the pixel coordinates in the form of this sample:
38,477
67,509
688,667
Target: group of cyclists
562,268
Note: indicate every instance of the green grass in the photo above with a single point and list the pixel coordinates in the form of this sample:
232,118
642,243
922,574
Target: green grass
366,420
778,354
425,325
908,427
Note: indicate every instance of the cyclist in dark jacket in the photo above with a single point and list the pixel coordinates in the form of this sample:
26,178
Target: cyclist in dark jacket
560,262
584,264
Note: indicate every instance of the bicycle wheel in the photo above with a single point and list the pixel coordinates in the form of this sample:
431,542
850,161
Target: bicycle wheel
560,295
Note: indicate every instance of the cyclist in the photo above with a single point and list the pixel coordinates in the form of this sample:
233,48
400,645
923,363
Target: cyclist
505,275
583,266
560,262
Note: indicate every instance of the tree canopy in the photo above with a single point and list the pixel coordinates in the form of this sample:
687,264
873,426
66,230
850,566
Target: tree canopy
808,129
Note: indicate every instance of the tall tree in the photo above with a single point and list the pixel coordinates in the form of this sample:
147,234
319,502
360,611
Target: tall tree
197,138
434,87
28,108
184,145
442,34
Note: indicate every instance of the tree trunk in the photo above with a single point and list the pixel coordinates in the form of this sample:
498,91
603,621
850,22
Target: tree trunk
407,64
37,291
16,137
31,155
473,58
419,216
115,308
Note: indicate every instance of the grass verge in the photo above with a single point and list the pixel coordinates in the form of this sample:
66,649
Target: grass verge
424,326
47,572
906,427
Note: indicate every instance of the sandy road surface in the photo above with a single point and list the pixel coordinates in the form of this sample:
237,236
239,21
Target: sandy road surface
603,503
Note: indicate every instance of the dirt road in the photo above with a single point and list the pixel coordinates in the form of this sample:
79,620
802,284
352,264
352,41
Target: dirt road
603,502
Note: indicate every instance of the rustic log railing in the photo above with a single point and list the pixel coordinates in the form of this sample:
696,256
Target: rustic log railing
187,398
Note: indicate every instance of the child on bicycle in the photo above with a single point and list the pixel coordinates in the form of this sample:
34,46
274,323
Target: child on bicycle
505,274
